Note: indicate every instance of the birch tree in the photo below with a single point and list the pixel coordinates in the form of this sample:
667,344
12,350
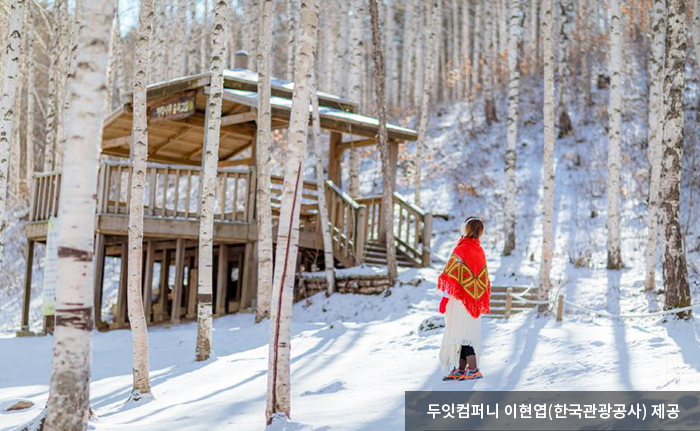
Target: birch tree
490,67
392,71
10,84
655,138
53,87
387,177
263,143
431,29
328,259
548,166
69,392
674,266
566,23
466,44
139,152
31,82
532,45
292,16
407,50
210,163
278,382
614,129
514,38
357,49
695,30
476,51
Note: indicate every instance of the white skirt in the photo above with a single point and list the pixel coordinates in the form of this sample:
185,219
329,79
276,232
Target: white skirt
461,329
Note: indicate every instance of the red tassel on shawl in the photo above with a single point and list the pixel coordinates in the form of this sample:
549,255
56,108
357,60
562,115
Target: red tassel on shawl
466,277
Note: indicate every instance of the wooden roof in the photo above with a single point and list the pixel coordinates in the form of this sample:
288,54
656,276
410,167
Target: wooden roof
181,141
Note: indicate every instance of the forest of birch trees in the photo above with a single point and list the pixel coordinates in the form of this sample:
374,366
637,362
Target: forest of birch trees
65,65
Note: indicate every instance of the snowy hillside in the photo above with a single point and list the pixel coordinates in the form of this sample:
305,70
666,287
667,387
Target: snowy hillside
354,356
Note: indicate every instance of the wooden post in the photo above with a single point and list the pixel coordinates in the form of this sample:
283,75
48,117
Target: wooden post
99,272
163,297
393,159
221,281
509,302
27,288
179,274
148,281
560,307
192,289
123,279
335,155
361,234
427,235
249,278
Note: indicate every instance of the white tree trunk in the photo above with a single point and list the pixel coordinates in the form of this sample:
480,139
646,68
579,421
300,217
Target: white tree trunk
514,39
210,162
53,99
292,34
456,52
431,29
490,69
31,82
204,38
478,43
180,50
119,63
466,44
674,267
387,177
656,112
533,45
278,382
139,153
357,51
695,30
264,142
321,187
615,115
407,51
566,23
157,68
548,162
63,71
70,374
10,84
417,77
392,70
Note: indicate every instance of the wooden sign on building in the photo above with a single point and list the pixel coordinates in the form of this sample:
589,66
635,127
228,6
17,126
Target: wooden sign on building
173,108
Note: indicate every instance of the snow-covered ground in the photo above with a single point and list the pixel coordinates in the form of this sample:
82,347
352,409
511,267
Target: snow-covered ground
354,356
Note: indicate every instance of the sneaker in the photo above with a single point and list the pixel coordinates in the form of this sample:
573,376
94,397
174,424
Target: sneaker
455,374
471,375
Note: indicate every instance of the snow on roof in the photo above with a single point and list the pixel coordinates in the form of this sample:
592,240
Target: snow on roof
250,98
362,271
251,77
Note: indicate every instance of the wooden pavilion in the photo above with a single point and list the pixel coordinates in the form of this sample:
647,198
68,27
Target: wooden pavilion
171,216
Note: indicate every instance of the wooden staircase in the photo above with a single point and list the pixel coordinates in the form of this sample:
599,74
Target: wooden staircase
375,254
503,304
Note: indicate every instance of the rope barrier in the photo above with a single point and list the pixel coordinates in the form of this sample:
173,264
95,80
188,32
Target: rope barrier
520,298
631,315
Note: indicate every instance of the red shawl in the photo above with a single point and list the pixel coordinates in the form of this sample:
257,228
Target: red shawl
466,277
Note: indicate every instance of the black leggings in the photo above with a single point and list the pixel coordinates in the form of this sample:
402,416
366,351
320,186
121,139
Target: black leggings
466,351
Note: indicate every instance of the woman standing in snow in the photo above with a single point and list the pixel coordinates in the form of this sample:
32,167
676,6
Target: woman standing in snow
466,294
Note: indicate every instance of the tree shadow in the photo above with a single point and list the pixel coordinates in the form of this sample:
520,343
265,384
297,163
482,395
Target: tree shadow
687,339
613,306
527,337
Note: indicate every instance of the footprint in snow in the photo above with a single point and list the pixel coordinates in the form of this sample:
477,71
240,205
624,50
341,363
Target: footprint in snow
328,388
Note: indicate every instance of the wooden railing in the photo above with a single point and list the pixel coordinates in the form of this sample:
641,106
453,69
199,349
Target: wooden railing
412,227
174,192
348,223
170,192
45,189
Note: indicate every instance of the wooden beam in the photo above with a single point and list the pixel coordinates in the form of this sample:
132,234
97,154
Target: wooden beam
355,144
334,155
170,140
148,280
238,162
249,279
123,280
27,286
221,281
244,117
97,282
116,142
192,288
